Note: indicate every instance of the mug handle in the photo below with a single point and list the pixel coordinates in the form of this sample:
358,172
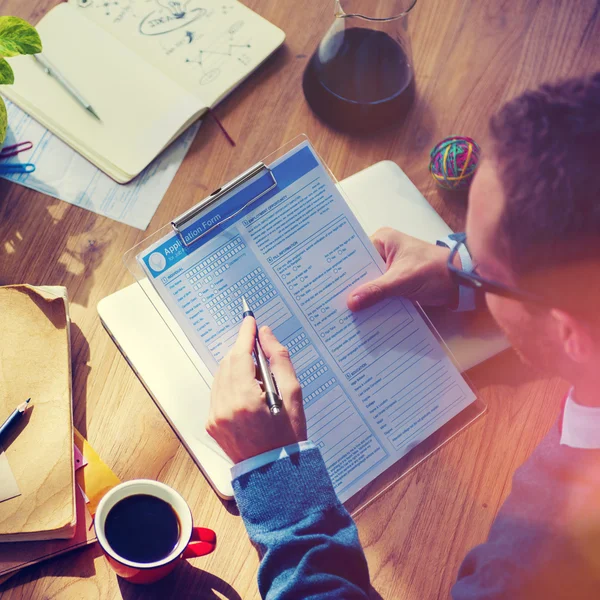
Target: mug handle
203,541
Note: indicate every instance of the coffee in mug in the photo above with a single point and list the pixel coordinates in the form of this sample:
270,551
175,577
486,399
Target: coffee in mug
145,527
142,528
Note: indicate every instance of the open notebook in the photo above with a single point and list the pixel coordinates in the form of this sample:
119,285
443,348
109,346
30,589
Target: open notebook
148,68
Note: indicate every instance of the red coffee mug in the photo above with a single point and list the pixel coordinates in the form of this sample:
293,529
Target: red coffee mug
193,541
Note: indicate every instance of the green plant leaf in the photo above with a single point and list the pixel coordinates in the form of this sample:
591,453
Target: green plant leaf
6,73
3,121
18,37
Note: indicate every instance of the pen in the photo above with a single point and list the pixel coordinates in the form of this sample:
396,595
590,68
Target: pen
273,398
55,73
14,418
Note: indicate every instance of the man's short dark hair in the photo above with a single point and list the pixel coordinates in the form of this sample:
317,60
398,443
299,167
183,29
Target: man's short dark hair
546,144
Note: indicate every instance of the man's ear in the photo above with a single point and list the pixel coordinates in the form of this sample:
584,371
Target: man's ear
575,336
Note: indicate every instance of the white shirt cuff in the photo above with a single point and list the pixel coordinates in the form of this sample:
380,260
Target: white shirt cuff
265,458
581,425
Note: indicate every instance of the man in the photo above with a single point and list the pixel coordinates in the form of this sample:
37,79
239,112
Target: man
533,232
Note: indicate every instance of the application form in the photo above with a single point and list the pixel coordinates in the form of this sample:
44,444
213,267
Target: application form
375,383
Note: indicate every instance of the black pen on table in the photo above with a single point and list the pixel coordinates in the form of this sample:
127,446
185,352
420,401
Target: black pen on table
273,398
14,418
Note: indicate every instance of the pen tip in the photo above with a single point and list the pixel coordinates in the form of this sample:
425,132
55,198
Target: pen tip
93,112
23,407
245,307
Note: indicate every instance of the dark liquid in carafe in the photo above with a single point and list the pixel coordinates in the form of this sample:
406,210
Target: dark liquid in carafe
366,84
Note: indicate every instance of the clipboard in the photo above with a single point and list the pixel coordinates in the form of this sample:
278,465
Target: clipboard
256,185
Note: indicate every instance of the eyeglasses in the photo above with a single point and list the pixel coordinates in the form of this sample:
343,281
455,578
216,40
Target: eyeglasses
474,280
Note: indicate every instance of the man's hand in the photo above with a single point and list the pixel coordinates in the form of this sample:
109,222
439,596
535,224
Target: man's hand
415,270
239,418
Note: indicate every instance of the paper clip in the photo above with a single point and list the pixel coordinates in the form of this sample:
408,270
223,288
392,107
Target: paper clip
9,168
15,149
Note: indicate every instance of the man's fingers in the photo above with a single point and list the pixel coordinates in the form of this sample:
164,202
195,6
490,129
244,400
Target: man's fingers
281,365
239,363
387,241
374,291
278,355
257,374
379,244
246,336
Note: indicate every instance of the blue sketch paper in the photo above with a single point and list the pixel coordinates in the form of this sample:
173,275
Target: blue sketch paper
375,383
64,174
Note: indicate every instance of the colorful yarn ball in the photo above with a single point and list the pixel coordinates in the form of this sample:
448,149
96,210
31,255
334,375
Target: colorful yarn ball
454,162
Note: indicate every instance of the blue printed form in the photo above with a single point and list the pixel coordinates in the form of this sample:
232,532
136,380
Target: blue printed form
375,383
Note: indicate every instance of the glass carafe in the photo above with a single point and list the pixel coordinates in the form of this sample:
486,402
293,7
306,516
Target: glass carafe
360,77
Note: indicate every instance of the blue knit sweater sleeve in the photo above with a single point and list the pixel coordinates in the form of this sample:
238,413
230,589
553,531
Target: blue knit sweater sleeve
308,541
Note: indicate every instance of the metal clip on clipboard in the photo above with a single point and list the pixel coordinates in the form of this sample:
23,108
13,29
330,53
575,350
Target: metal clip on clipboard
180,222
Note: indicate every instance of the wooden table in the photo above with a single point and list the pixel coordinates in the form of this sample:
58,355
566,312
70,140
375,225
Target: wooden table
470,56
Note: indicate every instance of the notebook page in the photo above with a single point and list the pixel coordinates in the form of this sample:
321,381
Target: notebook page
140,108
207,46
375,383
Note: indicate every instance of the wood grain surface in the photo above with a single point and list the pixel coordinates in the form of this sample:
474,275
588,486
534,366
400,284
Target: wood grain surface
470,56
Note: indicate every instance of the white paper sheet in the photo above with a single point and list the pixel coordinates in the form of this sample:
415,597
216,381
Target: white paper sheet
64,174
8,484
375,383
